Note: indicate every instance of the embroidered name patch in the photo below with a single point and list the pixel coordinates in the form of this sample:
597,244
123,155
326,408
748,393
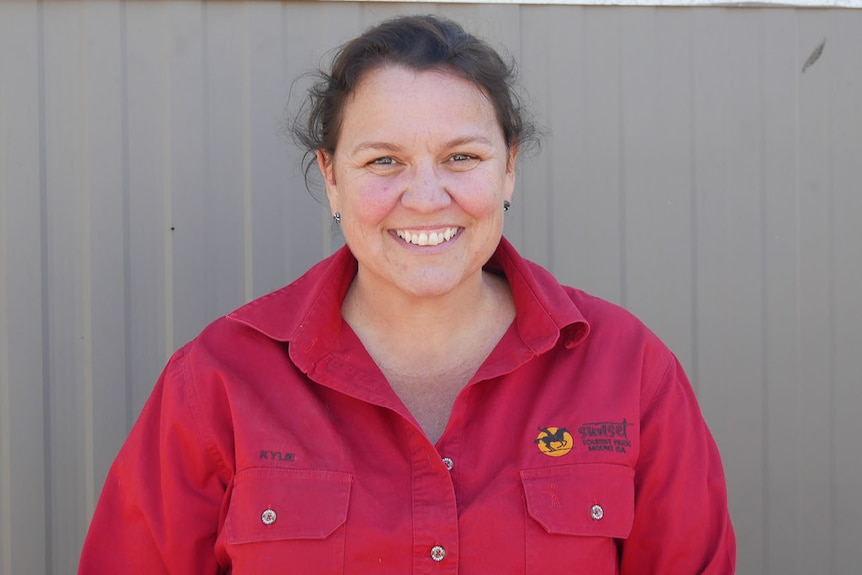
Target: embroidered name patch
268,455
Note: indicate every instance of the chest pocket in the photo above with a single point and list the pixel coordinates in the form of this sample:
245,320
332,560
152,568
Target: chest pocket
574,515
287,517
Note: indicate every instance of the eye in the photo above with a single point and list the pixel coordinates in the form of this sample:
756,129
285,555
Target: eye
462,157
462,162
383,166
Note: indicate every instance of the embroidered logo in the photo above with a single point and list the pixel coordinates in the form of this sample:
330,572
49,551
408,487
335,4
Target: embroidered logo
553,495
554,441
605,436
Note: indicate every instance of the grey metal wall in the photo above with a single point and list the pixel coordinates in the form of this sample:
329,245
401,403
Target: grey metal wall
694,172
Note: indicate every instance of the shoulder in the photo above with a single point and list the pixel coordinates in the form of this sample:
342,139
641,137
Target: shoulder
618,334
610,320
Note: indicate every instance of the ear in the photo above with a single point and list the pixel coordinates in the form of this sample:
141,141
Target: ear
511,161
327,170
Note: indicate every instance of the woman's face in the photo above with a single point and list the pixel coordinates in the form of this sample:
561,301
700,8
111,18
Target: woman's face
419,175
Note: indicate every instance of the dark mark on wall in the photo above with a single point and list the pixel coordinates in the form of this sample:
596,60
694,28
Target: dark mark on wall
814,56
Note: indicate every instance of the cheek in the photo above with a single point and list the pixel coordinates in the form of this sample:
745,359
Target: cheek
481,194
373,201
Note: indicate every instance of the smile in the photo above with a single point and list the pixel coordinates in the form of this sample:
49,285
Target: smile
427,238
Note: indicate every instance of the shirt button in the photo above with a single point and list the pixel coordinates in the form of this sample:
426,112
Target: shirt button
438,553
268,517
448,463
596,512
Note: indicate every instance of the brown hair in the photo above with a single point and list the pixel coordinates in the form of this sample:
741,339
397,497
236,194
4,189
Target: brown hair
420,43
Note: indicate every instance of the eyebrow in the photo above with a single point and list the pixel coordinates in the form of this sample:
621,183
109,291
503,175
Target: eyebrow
477,139
460,141
376,146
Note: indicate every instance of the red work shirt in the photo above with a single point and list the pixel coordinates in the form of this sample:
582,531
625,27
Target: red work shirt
273,444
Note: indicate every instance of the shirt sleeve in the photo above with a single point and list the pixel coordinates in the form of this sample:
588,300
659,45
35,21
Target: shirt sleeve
681,524
159,510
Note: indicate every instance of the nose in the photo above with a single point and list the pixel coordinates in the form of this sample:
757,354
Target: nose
426,190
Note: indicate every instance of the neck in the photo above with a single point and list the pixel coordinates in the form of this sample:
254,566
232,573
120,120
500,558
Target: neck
427,322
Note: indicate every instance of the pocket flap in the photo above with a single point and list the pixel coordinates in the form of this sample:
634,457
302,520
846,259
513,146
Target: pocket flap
271,504
590,499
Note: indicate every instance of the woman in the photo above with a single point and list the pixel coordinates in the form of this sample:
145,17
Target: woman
424,400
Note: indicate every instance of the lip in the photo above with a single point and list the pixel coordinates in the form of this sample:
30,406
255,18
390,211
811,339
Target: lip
427,237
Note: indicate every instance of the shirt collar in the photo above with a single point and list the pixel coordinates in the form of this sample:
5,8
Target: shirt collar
544,309
307,312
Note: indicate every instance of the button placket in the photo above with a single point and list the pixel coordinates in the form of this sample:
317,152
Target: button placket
435,509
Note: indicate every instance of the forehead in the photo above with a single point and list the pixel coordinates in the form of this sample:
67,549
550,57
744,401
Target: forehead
398,98
391,72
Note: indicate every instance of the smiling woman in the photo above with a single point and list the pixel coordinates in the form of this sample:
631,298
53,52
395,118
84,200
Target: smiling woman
420,385
420,154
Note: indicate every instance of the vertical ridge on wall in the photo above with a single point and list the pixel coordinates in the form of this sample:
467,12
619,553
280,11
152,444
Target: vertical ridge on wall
44,414
245,112
694,213
769,156
814,216
169,49
86,395
845,55
5,424
5,416
776,221
189,183
128,349
66,394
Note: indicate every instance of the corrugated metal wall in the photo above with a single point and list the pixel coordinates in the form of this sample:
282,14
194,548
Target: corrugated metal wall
694,172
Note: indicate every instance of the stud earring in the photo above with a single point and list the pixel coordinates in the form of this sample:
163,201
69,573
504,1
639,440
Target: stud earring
506,205
337,217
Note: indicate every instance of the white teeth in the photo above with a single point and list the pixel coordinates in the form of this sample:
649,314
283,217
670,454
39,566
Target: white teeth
427,238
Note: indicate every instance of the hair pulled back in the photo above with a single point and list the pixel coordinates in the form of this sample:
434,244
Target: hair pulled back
420,43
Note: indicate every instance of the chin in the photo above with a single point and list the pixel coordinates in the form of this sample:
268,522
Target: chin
430,285
428,291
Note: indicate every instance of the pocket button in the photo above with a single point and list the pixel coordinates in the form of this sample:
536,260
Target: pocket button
268,517
596,512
